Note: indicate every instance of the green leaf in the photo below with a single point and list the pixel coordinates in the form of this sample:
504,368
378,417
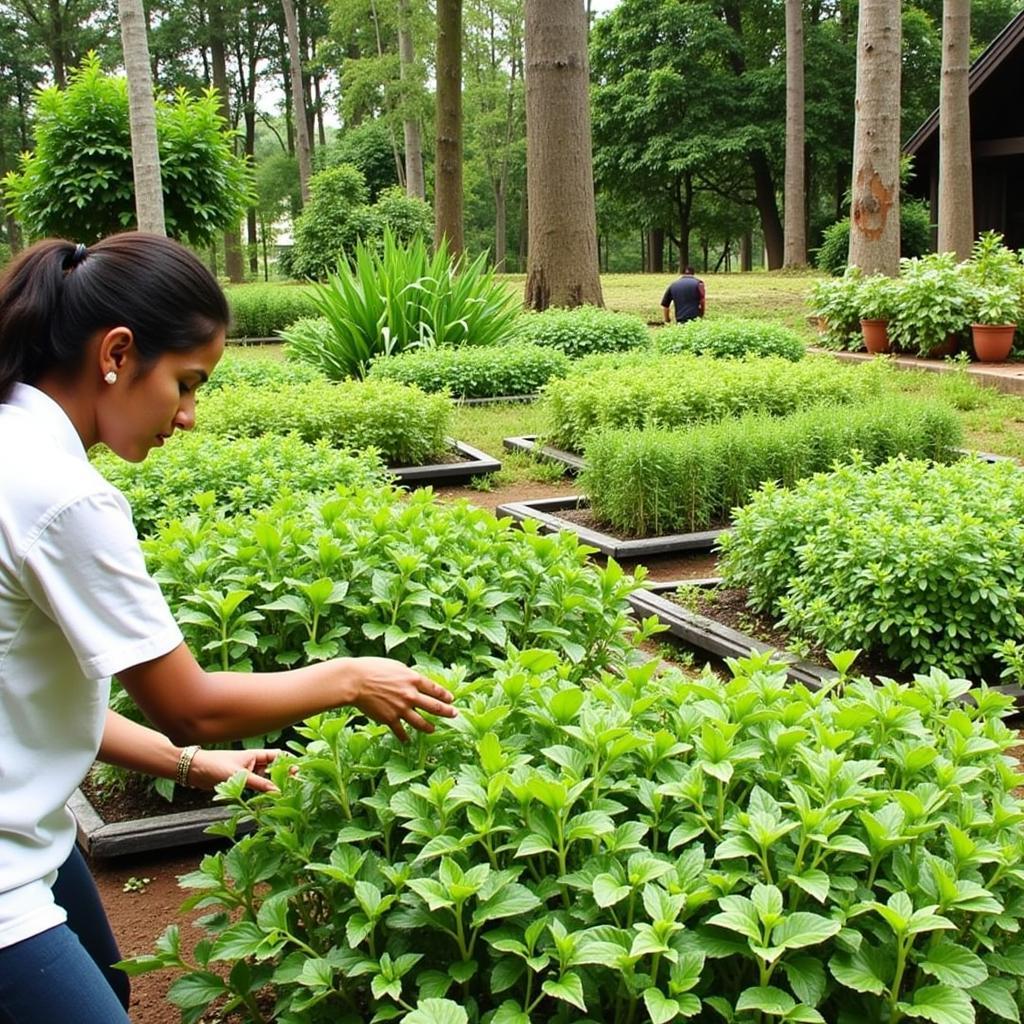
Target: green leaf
607,891
436,1011
806,977
953,965
200,988
815,883
660,1008
998,995
462,970
508,901
568,988
238,942
804,929
941,1004
740,916
863,971
767,999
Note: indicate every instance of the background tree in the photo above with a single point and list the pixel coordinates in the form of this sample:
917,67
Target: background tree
956,194
298,98
411,86
563,267
874,216
448,156
794,203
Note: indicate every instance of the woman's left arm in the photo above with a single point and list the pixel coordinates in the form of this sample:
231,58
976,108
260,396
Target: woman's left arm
129,745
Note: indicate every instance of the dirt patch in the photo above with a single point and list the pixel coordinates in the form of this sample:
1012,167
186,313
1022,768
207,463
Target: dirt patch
138,799
505,495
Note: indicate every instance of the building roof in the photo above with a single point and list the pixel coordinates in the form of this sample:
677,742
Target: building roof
990,60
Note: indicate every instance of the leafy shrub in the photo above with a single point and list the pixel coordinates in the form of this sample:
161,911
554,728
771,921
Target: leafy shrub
676,391
399,298
646,482
370,571
933,302
584,330
516,369
263,310
404,216
836,304
730,338
918,563
645,848
257,371
915,237
231,475
404,425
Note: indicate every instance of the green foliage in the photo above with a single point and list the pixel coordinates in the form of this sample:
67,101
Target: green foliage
257,371
878,297
232,475
584,330
403,215
730,338
996,275
836,304
648,847
372,571
334,219
78,181
920,564
404,425
366,146
399,298
915,237
934,302
514,369
656,481
676,391
264,310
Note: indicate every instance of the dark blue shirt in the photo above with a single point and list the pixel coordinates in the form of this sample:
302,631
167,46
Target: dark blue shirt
687,293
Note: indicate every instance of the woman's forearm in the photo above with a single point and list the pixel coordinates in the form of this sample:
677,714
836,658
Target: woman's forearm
130,745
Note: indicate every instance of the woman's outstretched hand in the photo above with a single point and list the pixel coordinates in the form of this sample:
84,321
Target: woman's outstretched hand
210,767
392,693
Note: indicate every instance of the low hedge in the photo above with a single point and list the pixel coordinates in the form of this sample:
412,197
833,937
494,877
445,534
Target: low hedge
584,330
231,475
261,310
404,425
258,371
675,391
656,481
517,369
918,563
730,338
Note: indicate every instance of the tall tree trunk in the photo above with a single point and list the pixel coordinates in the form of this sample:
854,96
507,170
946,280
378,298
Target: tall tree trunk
656,251
875,214
448,160
149,193
298,101
415,184
562,269
746,251
500,225
767,208
795,203
234,265
956,192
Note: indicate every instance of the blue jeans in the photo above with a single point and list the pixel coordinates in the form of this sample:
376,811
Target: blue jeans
63,975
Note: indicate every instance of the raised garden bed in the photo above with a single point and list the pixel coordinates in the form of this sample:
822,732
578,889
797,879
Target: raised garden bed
528,443
467,463
545,511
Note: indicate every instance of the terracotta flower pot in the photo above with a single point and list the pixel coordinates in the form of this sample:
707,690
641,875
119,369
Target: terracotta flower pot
944,348
876,335
992,342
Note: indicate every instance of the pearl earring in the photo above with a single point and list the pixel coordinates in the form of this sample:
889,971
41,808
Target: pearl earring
110,377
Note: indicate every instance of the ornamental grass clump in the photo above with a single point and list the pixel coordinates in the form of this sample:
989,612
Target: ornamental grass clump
402,424
730,337
584,330
655,481
231,475
514,369
677,391
647,847
919,564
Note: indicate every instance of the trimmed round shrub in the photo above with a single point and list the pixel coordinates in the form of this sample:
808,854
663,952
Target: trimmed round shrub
676,391
517,369
404,425
261,310
656,481
257,371
231,475
915,237
730,338
586,329
403,215
914,562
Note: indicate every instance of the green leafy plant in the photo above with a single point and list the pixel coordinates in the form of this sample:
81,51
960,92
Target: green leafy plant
584,330
513,369
934,303
648,847
257,371
677,391
730,338
836,304
996,304
833,254
401,423
878,297
399,298
264,310
655,481
915,562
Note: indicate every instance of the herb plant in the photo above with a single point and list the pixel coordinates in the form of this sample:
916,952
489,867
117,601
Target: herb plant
655,481
263,310
915,562
584,330
260,371
934,303
649,847
404,425
836,304
730,338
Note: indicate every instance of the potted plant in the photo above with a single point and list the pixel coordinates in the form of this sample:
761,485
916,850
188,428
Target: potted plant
996,310
835,303
878,298
934,308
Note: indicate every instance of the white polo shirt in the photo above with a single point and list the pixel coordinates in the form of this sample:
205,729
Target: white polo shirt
76,606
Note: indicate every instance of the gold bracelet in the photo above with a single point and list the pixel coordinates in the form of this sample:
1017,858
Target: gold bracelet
185,763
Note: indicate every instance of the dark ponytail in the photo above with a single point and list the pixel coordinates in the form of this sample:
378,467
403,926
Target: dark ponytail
56,295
